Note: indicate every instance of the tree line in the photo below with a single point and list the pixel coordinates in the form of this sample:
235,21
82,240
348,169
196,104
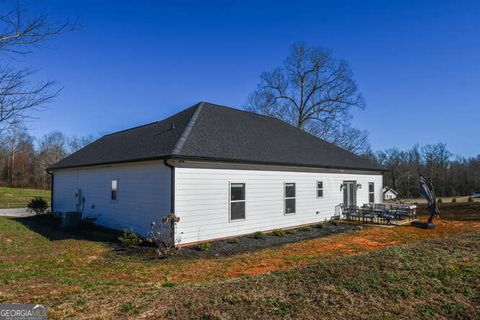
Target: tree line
24,159
449,174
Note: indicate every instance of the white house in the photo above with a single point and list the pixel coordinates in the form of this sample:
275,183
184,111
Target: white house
389,193
224,172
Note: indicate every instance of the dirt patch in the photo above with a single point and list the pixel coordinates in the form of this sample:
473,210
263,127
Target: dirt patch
368,239
415,281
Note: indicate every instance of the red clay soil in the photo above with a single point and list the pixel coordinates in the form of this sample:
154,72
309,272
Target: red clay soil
305,252
368,239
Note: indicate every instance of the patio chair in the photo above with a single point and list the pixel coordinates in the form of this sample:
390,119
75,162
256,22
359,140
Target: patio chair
386,217
353,213
403,212
379,207
370,216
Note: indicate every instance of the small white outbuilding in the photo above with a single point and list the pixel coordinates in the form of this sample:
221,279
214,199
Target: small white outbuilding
222,171
389,193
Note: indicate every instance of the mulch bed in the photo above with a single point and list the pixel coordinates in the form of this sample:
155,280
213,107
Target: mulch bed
242,244
248,243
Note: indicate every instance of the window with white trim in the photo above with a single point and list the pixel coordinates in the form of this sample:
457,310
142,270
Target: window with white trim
319,189
114,189
290,198
371,192
237,201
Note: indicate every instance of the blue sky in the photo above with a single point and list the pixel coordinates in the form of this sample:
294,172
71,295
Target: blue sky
416,62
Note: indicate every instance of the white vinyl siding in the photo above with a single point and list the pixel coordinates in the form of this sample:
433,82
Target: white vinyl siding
143,194
202,198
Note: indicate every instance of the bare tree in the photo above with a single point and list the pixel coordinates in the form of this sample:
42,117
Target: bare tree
15,140
391,159
52,149
351,139
76,143
313,91
21,31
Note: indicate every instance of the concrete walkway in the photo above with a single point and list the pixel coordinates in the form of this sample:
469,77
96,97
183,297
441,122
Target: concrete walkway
17,212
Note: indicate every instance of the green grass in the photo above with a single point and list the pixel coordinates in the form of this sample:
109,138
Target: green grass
79,274
18,197
438,278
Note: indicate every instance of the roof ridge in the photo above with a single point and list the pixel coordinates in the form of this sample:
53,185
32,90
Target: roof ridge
283,122
186,132
239,110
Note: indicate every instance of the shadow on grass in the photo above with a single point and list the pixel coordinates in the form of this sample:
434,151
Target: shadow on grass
49,227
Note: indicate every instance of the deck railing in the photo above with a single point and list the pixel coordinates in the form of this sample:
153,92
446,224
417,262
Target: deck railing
379,213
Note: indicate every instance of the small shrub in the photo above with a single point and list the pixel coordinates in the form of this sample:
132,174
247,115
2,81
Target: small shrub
159,235
80,302
278,233
38,205
290,231
418,292
454,200
169,284
129,239
319,226
470,199
127,307
439,200
233,240
306,228
204,246
259,235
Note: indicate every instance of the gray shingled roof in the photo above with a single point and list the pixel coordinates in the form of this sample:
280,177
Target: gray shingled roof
211,132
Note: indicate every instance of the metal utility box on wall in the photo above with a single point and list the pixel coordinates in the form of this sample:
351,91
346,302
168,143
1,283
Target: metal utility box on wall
78,199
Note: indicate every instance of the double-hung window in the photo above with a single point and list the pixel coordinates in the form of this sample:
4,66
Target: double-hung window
114,189
237,201
319,189
371,192
290,198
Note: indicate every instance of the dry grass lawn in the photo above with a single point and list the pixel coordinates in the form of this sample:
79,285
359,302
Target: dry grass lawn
19,197
375,272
